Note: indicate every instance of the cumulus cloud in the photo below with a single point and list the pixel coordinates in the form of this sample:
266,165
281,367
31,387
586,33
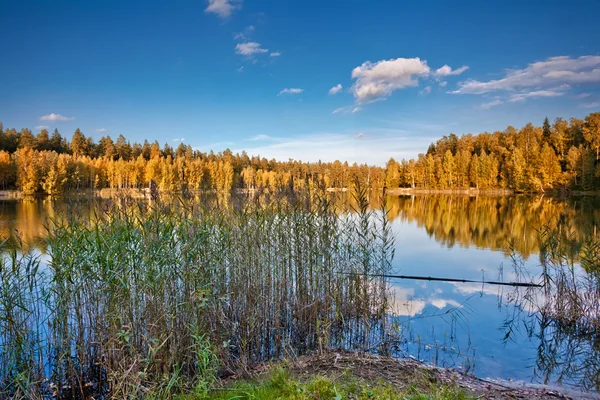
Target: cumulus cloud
40,127
446,70
380,79
554,72
291,91
55,118
223,8
336,89
178,139
249,49
275,54
101,130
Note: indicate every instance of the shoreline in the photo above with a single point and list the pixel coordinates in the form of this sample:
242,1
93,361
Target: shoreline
141,193
402,373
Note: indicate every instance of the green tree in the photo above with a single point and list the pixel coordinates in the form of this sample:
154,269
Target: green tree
107,148
42,140
123,148
26,139
78,144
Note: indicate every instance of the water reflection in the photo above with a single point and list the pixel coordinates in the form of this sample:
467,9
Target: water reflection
549,335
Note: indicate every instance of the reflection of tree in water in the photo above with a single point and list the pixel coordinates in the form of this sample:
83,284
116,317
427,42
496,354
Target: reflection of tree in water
564,318
23,224
497,223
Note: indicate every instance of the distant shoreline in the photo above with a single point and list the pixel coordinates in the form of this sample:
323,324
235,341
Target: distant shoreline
464,191
141,193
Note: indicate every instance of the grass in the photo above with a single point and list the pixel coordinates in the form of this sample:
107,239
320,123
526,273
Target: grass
148,300
281,385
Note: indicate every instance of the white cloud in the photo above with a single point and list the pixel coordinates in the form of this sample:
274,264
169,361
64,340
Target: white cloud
223,8
536,93
249,49
443,303
425,91
40,127
240,69
244,35
260,137
359,135
291,91
178,139
380,79
594,104
470,288
336,89
55,118
446,70
553,72
275,54
101,130
487,106
347,110
443,83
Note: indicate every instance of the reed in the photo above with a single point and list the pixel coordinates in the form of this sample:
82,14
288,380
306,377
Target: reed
563,318
147,300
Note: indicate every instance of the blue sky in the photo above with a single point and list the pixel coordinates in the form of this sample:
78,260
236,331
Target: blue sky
215,72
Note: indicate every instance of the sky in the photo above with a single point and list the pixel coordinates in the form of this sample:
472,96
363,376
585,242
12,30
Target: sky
355,80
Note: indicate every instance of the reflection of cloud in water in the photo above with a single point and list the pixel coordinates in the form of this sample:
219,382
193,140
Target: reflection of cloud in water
404,304
472,288
442,303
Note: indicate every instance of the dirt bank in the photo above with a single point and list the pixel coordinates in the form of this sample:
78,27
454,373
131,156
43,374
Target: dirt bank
403,373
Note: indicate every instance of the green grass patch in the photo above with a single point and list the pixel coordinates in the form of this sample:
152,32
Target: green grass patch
281,385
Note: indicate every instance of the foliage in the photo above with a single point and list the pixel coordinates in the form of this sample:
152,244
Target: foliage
559,156
153,298
282,386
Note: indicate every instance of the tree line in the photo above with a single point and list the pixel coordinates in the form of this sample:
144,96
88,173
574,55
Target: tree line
51,164
564,155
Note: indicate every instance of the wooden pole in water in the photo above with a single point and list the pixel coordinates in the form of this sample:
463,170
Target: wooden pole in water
430,278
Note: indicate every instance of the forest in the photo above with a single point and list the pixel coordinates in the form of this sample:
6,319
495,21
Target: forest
559,156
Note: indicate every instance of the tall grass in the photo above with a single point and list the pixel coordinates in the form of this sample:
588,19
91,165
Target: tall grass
150,299
563,318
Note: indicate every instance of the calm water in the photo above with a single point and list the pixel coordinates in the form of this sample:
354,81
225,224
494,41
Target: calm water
488,330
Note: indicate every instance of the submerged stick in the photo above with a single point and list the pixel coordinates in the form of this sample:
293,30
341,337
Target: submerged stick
430,278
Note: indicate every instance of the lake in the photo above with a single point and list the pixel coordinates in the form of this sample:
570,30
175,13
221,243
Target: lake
489,330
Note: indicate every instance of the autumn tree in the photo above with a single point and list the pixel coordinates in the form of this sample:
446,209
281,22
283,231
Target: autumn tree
591,132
